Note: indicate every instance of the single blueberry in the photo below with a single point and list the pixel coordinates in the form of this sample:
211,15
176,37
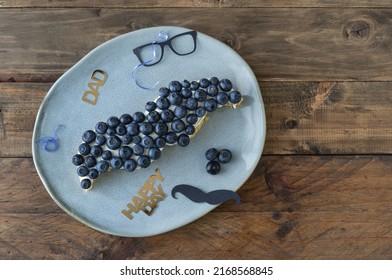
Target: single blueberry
186,93
167,115
214,81
222,98
125,152
153,116
102,166
200,112
213,167
96,151
126,139
200,95
137,139
84,149
177,125
235,97
154,153
138,117
161,128
212,90
171,138
143,161
130,165
101,127
194,85
183,140
146,128
100,140
113,122
160,142
210,105
147,141
77,159
106,155
204,83
180,111
191,118
189,129
224,156
93,174
85,184
113,142
175,98
125,119
186,84
225,85
138,149
111,131
121,129
90,161
163,92
133,129
82,171
212,154
163,103
150,106
116,162
191,103
88,136
175,86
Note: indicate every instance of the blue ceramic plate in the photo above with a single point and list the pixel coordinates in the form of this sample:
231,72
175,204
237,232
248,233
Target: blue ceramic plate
241,130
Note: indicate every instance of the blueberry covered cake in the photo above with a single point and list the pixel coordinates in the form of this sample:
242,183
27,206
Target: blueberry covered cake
130,142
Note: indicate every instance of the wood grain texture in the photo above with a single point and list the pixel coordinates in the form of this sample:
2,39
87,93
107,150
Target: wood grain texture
280,44
297,207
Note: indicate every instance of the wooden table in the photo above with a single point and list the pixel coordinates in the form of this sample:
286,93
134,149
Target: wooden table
323,188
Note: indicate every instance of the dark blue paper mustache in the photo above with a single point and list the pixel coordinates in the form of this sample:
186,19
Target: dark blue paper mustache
197,195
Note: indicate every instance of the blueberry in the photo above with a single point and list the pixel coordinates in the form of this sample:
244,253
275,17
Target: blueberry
126,139
222,98
125,119
143,161
133,129
96,151
210,105
224,156
163,92
138,149
77,159
88,136
180,111
204,83
125,152
160,128
191,103
200,95
167,115
213,167
106,155
235,97
130,165
111,131
113,142
214,81
138,117
101,127
102,166
154,153
84,149
189,129
160,142
191,119
90,161
116,162
82,171
85,184
163,103
113,122
186,93
194,85
153,117
100,140
93,174
147,141
183,140
177,126
171,138
186,84
212,154
225,85
137,139
121,129
175,98
212,90
175,86
146,128
200,112
150,106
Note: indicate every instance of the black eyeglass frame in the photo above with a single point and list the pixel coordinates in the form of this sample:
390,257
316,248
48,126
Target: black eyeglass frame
137,51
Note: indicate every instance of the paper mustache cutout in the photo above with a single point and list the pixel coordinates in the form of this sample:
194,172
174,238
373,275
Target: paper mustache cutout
197,195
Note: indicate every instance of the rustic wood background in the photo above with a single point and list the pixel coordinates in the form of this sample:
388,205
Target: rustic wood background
323,188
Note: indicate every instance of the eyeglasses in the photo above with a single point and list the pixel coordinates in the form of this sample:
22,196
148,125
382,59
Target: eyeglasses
181,44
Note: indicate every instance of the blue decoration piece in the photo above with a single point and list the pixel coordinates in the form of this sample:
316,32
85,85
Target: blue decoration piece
50,144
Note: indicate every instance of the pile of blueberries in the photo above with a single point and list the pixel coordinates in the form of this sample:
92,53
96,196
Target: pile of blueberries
215,158
135,140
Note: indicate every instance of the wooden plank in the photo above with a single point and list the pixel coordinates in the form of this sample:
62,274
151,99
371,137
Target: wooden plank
280,44
292,207
302,118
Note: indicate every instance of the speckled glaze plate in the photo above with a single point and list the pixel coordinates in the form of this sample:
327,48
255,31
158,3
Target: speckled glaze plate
241,130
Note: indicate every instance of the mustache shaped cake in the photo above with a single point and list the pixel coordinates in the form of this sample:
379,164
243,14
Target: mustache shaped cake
131,142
